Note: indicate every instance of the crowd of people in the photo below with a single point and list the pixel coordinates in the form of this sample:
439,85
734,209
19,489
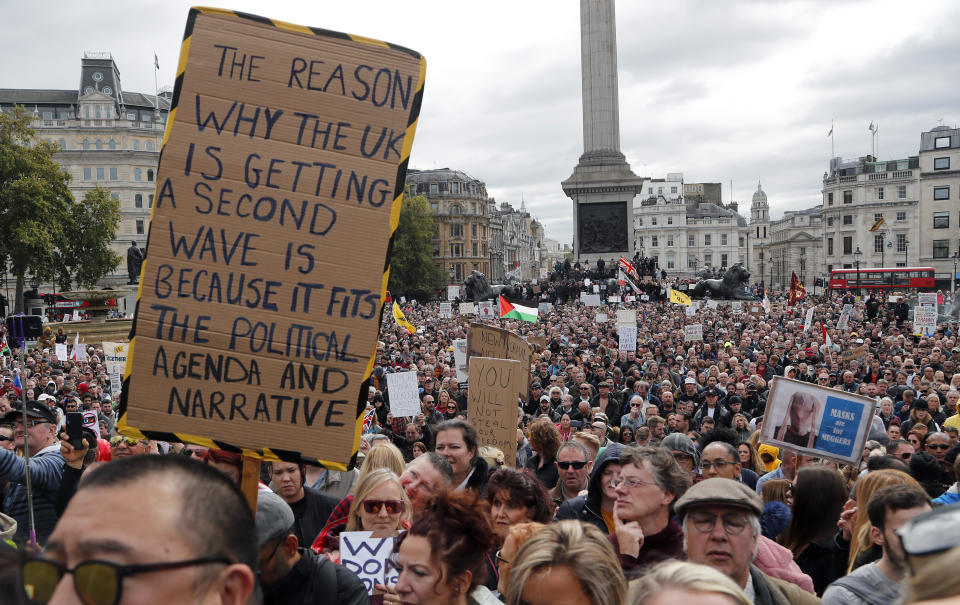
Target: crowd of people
640,476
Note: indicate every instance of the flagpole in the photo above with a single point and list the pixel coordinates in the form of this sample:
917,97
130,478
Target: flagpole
832,154
156,87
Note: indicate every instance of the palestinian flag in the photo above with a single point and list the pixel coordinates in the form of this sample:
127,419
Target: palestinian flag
515,308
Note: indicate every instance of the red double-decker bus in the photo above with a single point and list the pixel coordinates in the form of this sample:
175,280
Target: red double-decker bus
874,278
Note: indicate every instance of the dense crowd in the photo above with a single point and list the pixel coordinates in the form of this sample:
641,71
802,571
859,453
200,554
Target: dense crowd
640,476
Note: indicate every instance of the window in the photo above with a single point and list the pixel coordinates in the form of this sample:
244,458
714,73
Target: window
455,188
691,241
474,248
113,173
830,246
649,190
691,262
435,207
62,143
473,230
132,116
639,242
96,112
85,144
878,243
150,174
901,242
98,145
136,145
941,143
723,239
879,193
139,226
473,207
741,242
670,241
670,264
848,197
847,219
941,193
877,216
455,210
654,241
150,201
901,192
830,199
848,245
433,189
829,221
902,215
669,220
149,145
673,190
640,221
87,173
456,230
706,239
444,187
941,220
112,145
941,248
723,260
101,174
138,201
653,220
708,259
137,174
941,163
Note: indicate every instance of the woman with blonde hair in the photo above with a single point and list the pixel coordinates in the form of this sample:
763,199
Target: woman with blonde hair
862,548
569,561
382,505
681,582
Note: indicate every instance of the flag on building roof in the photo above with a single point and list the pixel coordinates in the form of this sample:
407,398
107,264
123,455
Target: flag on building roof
877,224
830,134
156,61
517,308
676,296
797,291
401,320
871,127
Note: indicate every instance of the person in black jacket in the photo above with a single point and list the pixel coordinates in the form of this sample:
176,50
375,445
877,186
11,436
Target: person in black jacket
310,507
596,507
293,575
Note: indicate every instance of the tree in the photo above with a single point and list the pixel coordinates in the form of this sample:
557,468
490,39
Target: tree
85,255
412,271
35,201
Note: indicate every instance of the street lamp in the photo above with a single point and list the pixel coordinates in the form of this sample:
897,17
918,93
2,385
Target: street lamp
953,278
803,264
883,245
856,256
906,245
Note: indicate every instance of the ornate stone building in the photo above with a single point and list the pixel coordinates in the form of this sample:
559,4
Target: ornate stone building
462,210
795,246
939,197
107,136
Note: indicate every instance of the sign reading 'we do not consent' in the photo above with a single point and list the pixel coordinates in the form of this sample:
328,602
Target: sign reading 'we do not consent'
278,192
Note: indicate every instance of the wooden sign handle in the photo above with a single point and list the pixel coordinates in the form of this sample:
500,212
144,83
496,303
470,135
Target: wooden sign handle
250,481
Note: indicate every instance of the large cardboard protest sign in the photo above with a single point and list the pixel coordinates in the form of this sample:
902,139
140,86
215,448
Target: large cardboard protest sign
627,338
489,341
278,192
460,359
816,420
692,332
492,402
925,319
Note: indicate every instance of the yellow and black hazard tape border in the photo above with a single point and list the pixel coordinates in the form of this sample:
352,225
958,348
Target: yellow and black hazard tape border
271,453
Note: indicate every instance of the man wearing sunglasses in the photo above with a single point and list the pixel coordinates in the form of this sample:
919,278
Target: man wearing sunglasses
46,469
574,467
721,529
177,532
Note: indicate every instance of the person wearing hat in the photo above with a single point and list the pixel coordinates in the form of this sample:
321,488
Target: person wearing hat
712,408
721,529
291,574
608,402
690,392
533,401
46,469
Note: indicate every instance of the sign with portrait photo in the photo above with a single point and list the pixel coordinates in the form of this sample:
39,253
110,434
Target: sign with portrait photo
816,421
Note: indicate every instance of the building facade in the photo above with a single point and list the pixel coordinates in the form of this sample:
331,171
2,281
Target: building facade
759,236
939,196
107,137
795,245
857,194
687,235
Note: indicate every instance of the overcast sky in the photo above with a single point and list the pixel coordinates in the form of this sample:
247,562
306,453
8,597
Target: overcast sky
717,90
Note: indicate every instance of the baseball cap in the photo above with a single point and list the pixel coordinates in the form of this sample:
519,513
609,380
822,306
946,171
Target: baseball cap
274,517
689,381
535,384
35,409
711,393
719,491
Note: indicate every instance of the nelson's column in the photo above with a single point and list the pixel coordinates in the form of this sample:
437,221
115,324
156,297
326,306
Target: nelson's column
602,185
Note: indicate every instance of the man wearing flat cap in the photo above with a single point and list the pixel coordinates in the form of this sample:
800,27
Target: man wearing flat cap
721,529
46,469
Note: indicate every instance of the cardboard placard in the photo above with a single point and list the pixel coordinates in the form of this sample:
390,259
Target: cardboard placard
626,317
613,298
590,300
630,298
925,319
485,309
368,557
927,298
737,307
61,350
538,341
692,332
460,359
543,273
453,292
691,310
645,297
627,338
116,379
404,394
488,341
79,350
446,310
858,353
545,307
492,402
817,421
467,308
844,317
285,147
602,318
808,320
712,304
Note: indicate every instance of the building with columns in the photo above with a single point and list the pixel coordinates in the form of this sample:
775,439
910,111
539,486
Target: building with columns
856,195
107,136
795,245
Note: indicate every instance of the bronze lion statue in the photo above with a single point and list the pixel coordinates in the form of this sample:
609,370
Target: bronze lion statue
729,287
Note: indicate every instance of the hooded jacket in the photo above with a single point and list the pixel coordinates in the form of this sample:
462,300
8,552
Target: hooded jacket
588,508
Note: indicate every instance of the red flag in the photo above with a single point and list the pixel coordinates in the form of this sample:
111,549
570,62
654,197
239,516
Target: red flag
628,268
797,291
